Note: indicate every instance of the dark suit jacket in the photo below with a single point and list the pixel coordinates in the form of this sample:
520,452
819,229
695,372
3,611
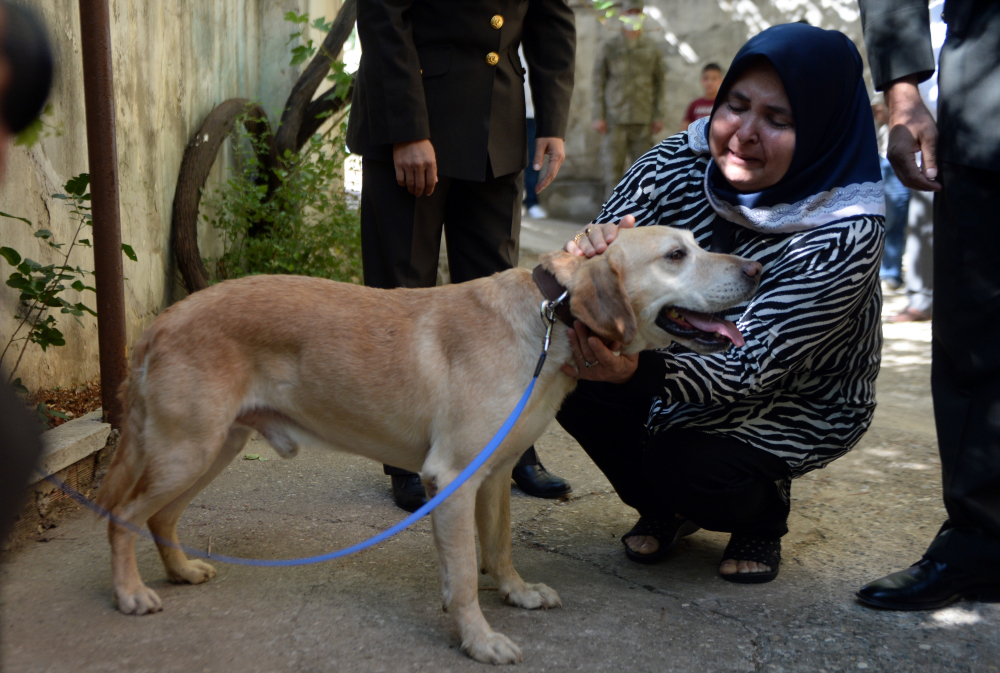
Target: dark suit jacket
424,74
897,36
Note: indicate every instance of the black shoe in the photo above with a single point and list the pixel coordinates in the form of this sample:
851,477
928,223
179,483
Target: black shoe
408,491
926,585
536,481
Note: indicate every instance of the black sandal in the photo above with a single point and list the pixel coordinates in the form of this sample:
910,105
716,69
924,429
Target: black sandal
666,533
757,549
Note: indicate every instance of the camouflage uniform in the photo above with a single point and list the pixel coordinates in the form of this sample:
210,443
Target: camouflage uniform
628,86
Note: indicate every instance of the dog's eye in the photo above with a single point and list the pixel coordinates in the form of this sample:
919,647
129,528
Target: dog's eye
677,255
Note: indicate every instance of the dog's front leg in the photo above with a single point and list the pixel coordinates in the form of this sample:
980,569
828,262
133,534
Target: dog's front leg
454,536
493,521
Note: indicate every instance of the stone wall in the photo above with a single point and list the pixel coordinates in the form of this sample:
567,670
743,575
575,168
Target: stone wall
691,34
173,61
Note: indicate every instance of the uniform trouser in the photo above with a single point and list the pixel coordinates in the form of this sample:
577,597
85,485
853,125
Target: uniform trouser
719,483
401,233
621,141
897,207
965,369
919,254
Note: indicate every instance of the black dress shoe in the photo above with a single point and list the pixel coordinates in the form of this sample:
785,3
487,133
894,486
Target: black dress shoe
408,491
536,481
927,585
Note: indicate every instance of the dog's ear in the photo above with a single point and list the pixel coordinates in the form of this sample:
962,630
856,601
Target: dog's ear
562,265
597,292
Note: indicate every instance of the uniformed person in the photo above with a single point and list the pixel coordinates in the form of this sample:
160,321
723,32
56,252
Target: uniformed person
438,117
628,87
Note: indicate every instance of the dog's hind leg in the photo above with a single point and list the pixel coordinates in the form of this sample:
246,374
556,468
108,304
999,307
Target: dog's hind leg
181,569
454,536
164,479
493,522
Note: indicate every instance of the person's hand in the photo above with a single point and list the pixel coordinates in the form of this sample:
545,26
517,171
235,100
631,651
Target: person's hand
600,125
596,361
656,127
553,148
595,238
911,130
416,166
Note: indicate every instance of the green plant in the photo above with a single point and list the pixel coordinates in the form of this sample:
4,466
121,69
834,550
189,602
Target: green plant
289,216
41,285
310,228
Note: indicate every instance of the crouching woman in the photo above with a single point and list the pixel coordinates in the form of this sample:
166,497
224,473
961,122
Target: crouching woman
784,172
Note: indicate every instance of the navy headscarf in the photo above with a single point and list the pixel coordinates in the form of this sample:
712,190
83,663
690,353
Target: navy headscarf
835,170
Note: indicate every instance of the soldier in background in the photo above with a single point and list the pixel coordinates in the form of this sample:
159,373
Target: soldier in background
628,87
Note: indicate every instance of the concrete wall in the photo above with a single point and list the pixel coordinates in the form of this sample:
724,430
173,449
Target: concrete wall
691,34
173,61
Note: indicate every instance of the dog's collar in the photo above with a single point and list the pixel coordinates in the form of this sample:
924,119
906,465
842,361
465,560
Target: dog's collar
551,289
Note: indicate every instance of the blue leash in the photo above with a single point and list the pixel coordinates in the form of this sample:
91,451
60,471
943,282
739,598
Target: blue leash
548,314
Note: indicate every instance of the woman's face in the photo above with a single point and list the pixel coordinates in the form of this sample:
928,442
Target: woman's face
752,135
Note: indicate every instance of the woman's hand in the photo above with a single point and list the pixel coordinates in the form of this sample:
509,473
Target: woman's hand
594,238
596,361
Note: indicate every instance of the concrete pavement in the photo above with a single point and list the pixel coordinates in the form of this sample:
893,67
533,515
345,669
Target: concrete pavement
869,513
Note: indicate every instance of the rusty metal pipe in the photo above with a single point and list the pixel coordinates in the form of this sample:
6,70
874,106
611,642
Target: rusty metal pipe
102,153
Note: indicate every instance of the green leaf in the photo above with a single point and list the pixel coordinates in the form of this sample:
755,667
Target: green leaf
296,18
252,456
11,256
84,242
321,24
78,286
129,252
78,185
43,233
15,217
30,134
19,387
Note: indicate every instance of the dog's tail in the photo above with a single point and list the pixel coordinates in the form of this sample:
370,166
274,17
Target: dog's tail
129,459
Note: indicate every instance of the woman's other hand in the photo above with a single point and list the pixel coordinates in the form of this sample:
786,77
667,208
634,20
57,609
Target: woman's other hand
595,238
595,361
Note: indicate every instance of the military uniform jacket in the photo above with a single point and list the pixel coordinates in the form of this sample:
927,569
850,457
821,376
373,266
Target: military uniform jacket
449,71
628,81
898,39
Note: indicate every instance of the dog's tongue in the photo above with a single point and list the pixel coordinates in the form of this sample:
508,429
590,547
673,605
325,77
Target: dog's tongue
707,322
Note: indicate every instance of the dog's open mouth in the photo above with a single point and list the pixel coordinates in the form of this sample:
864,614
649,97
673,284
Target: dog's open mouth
702,328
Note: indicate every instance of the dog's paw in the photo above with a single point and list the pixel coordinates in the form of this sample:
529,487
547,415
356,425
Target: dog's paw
141,601
493,648
533,597
192,572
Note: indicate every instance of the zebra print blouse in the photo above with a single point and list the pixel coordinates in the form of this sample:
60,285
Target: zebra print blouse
803,386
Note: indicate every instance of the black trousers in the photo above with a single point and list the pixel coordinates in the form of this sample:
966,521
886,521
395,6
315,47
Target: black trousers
965,368
718,483
401,233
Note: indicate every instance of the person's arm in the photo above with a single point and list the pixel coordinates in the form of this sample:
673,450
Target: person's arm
659,73
397,109
599,83
549,40
898,41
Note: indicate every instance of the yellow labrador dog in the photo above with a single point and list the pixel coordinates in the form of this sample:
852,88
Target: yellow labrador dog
419,378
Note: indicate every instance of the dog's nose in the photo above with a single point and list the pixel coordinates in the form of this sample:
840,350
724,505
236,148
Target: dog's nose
752,269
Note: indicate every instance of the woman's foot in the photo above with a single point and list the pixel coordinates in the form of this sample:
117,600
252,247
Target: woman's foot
650,539
731,566
750,560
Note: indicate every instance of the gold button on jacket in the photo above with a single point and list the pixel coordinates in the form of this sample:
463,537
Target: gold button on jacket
492,58
497,22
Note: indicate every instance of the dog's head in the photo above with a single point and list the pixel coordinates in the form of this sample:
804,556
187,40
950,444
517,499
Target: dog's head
656,285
